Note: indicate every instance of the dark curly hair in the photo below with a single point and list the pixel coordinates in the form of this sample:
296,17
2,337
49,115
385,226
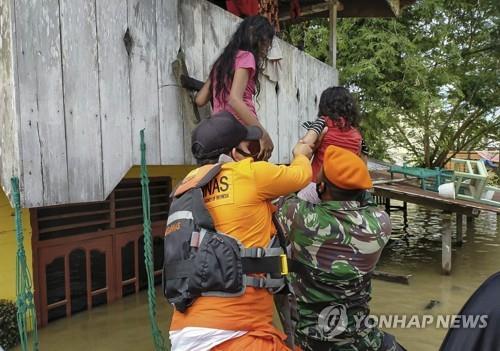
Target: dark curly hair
252,34
336,102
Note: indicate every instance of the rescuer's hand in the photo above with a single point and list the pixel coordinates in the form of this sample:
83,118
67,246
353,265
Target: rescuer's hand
302,149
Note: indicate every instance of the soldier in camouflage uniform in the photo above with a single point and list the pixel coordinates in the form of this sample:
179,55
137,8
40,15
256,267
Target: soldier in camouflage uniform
335,247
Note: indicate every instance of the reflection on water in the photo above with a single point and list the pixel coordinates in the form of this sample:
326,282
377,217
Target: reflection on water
416,249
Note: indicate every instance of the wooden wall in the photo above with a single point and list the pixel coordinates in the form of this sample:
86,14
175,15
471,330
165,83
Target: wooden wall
77,95
9,139
206,30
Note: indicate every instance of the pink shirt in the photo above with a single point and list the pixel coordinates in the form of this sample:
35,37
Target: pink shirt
244,59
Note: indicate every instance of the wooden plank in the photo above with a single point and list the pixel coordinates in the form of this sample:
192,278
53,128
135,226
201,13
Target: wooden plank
9,137
67,285
333,33
121,219
218,26
170,111
71,215
414,196
140,197
287,105
391,277
57,304
41,103
317,85
114,92
328,73
144,79
98,291
158,227
267,112
193,66
136,264
81,100
112,211
192,36
71,226
446,244
139,188
192,13
88,278
305,98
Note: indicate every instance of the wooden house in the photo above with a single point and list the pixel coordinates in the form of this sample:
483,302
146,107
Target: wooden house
78,81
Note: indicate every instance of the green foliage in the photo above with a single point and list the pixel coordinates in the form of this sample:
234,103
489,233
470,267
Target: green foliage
311,36
493,179
9,334
427,81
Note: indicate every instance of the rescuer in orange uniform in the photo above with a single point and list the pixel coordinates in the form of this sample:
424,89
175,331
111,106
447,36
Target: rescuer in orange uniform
238,200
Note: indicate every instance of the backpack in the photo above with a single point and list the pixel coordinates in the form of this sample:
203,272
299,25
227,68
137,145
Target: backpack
200,261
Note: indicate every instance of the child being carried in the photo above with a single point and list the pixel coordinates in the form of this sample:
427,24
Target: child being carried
338,112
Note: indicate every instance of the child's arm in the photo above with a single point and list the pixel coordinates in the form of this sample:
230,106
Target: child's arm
314,130
203,96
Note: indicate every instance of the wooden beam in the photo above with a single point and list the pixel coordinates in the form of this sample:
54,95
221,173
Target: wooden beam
333,33
446,245
351,9
306,11
391,277
427,202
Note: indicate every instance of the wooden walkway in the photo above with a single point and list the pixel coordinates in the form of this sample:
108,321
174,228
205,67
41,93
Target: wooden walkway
409,193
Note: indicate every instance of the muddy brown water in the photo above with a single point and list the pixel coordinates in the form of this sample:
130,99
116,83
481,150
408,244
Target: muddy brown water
415,249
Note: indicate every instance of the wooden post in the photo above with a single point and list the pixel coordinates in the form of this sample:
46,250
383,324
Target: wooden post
446,244
333,33
470,225
405,214
460,229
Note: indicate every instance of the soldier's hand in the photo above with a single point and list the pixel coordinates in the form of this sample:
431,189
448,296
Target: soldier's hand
302,149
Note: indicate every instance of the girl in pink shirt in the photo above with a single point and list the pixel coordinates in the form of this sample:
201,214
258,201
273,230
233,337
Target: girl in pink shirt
234,78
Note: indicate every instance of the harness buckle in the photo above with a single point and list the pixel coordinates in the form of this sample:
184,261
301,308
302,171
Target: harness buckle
260,282
284,264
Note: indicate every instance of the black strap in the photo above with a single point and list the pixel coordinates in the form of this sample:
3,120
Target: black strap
296,266
261,265
184,269
279,232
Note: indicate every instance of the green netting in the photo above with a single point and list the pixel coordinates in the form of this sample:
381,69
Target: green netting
26,312
159,341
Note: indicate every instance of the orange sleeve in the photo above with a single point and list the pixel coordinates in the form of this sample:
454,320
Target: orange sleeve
273,181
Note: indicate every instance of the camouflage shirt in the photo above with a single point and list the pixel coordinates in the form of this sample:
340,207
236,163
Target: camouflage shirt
336,245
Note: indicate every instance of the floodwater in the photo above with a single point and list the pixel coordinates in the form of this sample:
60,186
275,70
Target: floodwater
415,249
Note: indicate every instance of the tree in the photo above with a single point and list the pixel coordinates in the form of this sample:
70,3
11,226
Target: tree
427,82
